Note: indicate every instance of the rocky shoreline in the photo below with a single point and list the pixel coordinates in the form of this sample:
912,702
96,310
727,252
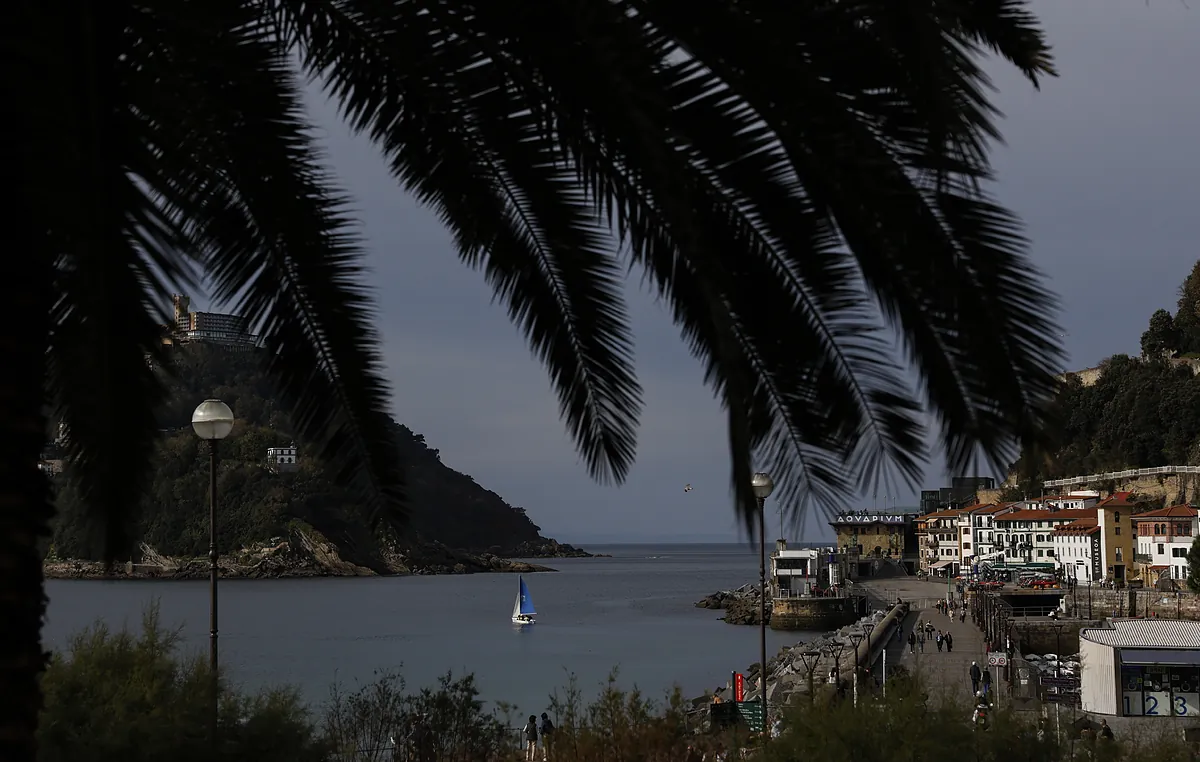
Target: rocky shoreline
302,553
544,549
741,606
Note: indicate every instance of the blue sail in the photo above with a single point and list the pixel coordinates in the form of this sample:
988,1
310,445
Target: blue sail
526,599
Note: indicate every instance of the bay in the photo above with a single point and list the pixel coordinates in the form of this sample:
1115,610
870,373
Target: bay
633,612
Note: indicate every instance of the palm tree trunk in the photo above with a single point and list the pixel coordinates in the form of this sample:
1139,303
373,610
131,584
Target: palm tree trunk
25,502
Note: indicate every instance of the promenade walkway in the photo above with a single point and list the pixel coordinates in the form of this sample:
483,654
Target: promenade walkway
947,673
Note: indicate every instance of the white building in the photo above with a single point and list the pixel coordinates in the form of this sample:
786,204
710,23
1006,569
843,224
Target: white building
977,531
282,458
798,572
1072,502
1141,668
940,542
1026,536
1077,550
1164,538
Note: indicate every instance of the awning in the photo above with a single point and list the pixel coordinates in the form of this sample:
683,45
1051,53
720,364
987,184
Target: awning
941,564
1149,657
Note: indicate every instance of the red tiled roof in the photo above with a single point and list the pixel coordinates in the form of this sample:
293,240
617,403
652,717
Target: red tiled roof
949,513
1043,515
1118,500
1170,512
1079,526
996,508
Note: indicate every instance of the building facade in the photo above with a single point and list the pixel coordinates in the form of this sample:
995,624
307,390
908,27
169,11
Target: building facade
799,572
1116,536
282,459
1164,538
941,547
231,331
1027,538
1077,550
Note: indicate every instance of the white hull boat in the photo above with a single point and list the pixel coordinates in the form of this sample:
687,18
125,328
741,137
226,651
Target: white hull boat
523,612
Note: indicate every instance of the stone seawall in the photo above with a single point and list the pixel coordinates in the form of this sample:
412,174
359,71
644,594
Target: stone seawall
815,614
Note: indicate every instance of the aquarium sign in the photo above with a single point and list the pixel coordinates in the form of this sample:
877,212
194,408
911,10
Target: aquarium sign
870,518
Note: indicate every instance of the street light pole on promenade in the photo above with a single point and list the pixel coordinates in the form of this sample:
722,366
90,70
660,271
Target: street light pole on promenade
763,486
212,421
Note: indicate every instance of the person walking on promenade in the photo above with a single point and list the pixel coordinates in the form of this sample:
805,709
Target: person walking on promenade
938,640
531,738
976,676
962,615
987,682
912,642
949,642
921,640
546,731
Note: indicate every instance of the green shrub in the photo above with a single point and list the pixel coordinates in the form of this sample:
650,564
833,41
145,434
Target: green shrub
133,698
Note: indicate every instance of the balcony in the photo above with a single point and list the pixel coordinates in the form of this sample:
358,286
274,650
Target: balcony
1143,558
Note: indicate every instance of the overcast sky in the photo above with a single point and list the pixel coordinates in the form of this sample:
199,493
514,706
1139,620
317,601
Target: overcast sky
1102,164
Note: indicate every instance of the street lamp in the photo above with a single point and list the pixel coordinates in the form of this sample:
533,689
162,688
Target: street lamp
212,421
867,627
855,639
835,649
811,660
763,485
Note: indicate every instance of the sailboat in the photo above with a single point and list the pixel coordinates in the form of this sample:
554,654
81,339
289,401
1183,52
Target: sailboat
523,611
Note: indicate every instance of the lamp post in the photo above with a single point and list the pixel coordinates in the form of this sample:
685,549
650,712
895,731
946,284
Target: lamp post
855,639
811,660
867,627
834,650
763,486
212,421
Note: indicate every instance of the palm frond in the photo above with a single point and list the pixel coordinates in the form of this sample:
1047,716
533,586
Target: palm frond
104,323
506,193
274,237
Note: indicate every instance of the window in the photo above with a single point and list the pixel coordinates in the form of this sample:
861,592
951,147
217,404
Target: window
1117,529
1179,552
1161,548
1041,538
1050,552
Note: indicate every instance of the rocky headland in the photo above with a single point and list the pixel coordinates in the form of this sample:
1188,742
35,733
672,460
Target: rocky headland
741,606
301,553
283,518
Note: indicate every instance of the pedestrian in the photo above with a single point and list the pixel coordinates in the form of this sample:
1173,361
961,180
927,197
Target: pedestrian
546,731
531,736
962,615
987,681
1106,733
912,642
938,640
921,640
976,676
949,642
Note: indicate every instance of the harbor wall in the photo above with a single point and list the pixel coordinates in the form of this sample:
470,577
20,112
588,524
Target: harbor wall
811,614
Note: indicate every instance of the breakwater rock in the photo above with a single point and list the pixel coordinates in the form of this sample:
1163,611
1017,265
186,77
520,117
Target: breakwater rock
741,606
301,553
787,672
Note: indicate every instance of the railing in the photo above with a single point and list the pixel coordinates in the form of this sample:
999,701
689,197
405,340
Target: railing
1132,473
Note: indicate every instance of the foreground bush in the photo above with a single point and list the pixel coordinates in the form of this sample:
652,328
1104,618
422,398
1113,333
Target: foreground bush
120,697
133,698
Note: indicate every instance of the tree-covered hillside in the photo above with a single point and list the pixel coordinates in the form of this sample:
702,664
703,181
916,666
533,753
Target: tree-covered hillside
256,503
1141,412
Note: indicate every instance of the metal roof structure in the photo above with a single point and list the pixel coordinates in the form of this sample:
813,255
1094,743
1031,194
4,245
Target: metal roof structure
1146,633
